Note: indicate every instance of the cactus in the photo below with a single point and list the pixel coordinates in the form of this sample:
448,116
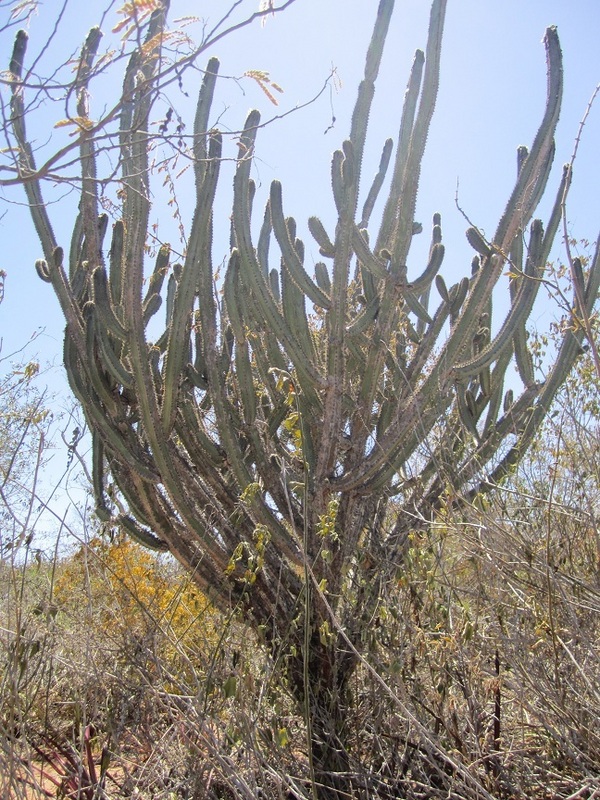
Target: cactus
254,412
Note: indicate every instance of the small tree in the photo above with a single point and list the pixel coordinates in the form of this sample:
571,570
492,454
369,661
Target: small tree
23,427
24,422
283,443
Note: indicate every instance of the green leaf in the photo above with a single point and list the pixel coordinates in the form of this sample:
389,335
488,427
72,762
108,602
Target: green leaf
230,686
282,737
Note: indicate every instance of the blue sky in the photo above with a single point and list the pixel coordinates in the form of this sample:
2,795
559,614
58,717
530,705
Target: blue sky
491,100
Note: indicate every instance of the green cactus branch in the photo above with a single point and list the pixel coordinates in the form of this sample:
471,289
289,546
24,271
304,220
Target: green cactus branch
519,311
197,261
26,160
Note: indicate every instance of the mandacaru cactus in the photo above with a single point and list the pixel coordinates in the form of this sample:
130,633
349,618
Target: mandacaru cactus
232,435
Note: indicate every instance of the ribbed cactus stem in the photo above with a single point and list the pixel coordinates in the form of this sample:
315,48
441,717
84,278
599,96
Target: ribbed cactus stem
519,311
289,254
197,261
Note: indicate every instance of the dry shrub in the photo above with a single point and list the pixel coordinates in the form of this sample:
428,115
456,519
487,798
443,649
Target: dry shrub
481,662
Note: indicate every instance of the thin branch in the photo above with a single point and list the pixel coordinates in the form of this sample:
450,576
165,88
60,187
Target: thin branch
584,320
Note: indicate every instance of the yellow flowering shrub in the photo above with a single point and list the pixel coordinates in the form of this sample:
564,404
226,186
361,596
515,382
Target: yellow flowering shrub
136,598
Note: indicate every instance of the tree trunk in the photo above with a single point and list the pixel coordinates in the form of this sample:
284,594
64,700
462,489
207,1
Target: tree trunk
328,670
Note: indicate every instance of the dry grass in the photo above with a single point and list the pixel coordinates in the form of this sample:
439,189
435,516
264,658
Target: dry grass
485,655
479,675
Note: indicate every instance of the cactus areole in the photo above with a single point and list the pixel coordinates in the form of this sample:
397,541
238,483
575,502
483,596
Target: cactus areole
283,440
